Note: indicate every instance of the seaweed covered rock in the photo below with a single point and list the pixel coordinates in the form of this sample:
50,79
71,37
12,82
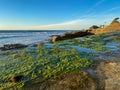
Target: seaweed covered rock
38,44
16,78
76,80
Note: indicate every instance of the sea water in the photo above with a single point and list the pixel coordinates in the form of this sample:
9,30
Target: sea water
27,37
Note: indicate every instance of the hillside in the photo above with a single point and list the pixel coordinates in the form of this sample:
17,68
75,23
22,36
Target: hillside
113,27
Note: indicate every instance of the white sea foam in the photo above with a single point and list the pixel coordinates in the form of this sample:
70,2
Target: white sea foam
26,37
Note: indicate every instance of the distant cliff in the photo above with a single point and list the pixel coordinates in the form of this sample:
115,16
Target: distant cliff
113,27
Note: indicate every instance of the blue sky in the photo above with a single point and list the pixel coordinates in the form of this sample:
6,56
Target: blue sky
56,14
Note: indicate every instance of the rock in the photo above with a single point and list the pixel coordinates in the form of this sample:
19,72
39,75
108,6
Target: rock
70,81
16,78
53,35
113,27
39,44
71,35
108,73
115,20
56,38
77,81
12,46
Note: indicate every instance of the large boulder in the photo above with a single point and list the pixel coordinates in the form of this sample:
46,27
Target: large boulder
71,35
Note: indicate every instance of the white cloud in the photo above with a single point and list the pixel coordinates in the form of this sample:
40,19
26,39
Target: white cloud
77,24
65,25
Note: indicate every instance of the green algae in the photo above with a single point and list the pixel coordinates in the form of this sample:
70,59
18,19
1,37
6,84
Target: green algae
46,61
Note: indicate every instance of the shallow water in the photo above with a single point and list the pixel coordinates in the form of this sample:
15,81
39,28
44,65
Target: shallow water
113,46
87,50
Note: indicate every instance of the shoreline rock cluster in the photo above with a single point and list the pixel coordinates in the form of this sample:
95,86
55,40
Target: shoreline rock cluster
71,35
93,30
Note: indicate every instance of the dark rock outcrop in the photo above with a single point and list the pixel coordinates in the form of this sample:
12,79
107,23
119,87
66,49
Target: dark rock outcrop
12,46
71,35
115,20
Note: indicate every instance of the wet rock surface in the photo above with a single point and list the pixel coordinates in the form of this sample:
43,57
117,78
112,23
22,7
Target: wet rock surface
70,81
38,44
108,73
71,35
12,46
104,76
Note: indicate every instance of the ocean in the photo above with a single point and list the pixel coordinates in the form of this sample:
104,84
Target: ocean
27,36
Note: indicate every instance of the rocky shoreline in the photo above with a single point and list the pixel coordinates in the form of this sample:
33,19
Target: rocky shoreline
71,35
93,30
104,74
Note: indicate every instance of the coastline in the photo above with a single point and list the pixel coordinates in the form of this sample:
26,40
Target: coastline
88,63
32,65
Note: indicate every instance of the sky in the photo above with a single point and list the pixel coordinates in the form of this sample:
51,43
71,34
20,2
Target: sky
56,14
